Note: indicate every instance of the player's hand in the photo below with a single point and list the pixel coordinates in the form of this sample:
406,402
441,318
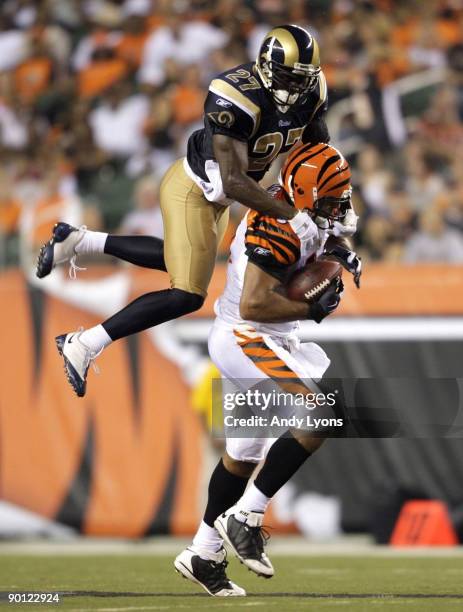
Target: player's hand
346,227
349,260
328,302
304,227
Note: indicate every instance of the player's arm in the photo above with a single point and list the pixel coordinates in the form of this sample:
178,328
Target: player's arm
232,157
262,300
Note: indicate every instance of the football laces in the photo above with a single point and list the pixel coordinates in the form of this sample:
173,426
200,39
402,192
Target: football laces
317,289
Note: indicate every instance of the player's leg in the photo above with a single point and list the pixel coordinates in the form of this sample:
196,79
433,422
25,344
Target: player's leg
228,480
226,486
144,251
241,525
193,228
204,561
295,447
67,242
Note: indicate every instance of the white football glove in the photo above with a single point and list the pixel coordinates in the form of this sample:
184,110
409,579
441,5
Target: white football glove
346,227
304,227
349,260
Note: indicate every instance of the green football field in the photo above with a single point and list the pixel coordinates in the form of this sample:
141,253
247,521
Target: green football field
149,582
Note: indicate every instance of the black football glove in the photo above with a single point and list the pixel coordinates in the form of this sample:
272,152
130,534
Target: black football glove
349,260
328,301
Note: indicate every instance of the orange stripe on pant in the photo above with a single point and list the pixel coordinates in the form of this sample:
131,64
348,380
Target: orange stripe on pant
270,364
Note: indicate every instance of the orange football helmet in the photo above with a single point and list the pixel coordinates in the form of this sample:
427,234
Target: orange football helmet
317,177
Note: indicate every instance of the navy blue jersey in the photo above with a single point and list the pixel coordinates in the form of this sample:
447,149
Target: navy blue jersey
238,105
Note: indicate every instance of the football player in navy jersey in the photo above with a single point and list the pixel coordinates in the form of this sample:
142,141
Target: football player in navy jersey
252,114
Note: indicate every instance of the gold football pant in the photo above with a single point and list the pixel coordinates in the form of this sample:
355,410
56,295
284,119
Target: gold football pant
193,230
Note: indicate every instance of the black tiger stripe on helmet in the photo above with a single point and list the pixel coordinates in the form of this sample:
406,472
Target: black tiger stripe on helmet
317,174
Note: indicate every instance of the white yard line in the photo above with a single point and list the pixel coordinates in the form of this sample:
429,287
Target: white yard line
236,604
279,546
351,328
125,608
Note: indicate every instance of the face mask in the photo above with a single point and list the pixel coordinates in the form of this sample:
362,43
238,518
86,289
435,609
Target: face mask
284,100
323,223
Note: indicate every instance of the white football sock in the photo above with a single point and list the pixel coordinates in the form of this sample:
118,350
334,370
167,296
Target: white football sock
252,500
92,242
96,338
207,539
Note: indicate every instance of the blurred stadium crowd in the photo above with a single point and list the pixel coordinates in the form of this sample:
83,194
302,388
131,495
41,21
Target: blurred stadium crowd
97,97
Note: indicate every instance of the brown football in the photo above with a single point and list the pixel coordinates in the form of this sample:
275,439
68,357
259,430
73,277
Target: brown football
310,282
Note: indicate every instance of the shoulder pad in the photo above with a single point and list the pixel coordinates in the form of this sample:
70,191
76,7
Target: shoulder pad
228,96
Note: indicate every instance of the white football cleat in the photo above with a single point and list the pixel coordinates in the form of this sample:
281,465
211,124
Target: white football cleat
77,359
247,539
61,248
208,570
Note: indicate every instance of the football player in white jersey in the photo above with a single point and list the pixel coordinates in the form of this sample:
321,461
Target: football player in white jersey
254,338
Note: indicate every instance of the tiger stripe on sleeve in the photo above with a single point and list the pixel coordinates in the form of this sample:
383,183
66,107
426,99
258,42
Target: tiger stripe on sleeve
271,244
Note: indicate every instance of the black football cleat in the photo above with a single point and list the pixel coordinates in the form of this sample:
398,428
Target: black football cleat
59,249
77,360
247,539
208,572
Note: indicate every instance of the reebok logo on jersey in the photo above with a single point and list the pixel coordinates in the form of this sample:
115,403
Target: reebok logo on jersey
224,103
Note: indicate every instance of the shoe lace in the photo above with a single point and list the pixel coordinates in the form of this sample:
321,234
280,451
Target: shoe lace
217,572
90,355
73,267
91,361
259,536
